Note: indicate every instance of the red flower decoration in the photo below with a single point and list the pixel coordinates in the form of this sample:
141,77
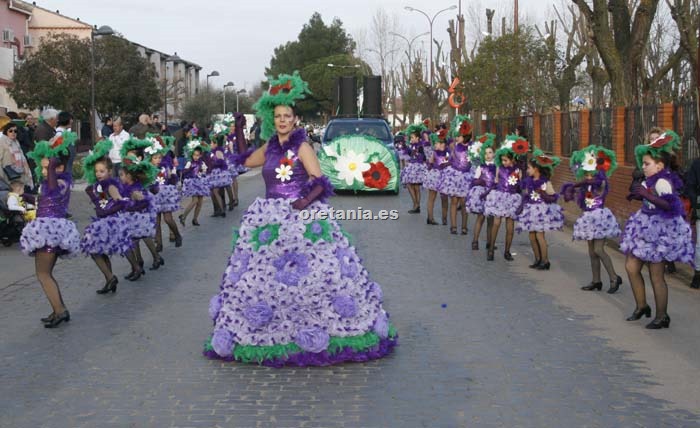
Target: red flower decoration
544,160
483,139
604,162
286,161
589,195
442,134
57,142
661,141
377,176
520,147
465,128
426,122
286,87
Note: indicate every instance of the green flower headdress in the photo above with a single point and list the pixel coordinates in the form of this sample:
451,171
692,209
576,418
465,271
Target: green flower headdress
285,90
667,142
417,128
196,144
134,143
592,159
99,152
134,166
159,145
461,125
513,145
222,127
545,161
477,151
57,146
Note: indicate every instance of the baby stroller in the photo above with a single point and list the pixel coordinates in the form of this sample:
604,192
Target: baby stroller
11,222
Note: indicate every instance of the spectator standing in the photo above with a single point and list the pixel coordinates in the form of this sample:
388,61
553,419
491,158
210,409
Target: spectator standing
692,190
47,128
107,128
143,127
13,163
65,123
117,137
255,132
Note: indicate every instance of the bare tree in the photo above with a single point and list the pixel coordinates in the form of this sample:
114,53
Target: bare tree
686,13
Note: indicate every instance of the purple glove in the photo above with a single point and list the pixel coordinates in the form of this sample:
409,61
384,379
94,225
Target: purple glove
52,176
549,199
567,190
483,197
137,205
112,208
304,202
478,182
658,201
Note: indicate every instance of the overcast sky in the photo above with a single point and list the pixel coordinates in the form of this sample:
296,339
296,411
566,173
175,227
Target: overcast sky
237,38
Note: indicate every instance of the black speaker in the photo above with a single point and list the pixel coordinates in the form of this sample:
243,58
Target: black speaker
346,97
372,96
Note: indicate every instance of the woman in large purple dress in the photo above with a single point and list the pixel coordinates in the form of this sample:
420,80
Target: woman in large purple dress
295,291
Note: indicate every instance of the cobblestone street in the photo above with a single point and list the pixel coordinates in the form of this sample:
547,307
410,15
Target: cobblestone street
482,344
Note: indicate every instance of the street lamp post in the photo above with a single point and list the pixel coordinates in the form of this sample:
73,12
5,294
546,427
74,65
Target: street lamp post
240,91
171,58
102,31
229,84
410,44
213,74
430,21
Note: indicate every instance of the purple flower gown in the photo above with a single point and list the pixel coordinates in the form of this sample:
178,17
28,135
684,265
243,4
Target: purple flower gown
108,233
195,181
51,231
166,198
295,291
597,221
457,176
538,215
434,175
415,169
487,174
141,215
655,235
505,199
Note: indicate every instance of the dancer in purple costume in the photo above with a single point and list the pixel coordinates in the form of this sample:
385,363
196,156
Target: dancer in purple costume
401,149
458,175
414,173
658,232
592,167
135,176
166,196
504,199
295,292
219,177
481,152
438,161
107,234
195,183
539,212
51,235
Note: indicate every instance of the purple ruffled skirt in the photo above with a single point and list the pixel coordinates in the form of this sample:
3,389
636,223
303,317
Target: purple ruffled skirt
295,292
473,202
404,156
167,200
455,182
540,217
413,173
140,224
502,204
596,224
198,186
219,178
107,235
654,238
433,179
57,235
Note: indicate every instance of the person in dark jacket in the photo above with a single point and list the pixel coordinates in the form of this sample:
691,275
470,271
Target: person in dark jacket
46,128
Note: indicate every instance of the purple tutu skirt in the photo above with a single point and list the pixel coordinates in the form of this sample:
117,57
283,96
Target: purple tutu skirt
167,200
540,217
195,187
473,202
404,156
502,204
233,170
295,292
413,173
455,182
140,224
653,238
433,179
107,235
56,235
596,224
219,178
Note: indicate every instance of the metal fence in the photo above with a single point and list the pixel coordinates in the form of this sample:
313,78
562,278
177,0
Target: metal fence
570,132
638,121
685,121
547,133
600,132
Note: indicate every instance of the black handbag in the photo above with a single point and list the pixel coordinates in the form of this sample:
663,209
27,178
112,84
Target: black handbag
11,173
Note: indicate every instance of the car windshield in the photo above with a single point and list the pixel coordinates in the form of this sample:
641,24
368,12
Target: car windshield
376,130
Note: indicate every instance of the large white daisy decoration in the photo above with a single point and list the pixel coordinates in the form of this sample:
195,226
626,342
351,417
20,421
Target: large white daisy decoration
535,196
284,173
160,179
350,167
589,162
589,202
512,180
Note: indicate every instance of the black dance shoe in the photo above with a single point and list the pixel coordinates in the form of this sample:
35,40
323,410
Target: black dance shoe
464,231
48,318
160,261
475,245
133,276
671,267
178,241
444,222
543,266
593,286
159,248
659,323
414,211
535,265
489,256
695,282
508,256
453,230
58,319
431,222
195,223
181,217
614,286
111,285
638,313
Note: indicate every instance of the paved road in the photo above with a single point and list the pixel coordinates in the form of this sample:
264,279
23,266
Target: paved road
512,348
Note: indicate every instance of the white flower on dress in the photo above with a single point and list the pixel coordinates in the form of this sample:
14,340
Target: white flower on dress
589,162
351,166
544,186
512,180
160,180
535,196
99,188
284,173
589,202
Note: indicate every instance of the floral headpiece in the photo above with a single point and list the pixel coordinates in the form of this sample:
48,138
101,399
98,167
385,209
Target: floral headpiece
667,142
545,161
135,144
285,90
592,159
478,148
461,125
99,152
416,128
513,145
134,166
193,145
57,146
220,129
160,145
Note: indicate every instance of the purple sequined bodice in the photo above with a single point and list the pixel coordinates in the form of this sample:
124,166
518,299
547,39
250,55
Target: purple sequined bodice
215,162
440,158
101,191
508,180
460,158
650,186
488,173
283,171
531,187
417,154
53,203
592,193
194,169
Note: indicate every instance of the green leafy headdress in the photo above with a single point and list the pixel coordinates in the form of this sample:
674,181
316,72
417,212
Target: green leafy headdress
222,127
461,125
57,146
192,145
417,128
99,152
134,143
545,161
144,170
159,145
285,90
592,159
513,145
477,150
667,142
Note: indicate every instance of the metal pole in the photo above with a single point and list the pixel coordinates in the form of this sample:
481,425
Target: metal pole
515,18
93,135
224,100
165,95
237,101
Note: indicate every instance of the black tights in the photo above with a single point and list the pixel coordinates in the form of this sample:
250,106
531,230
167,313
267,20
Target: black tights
216,200
596,251
432,195
196,203
539,246
633,266
510,229
151,247
104,264
479,223
414,191
168,218
456,202
44,263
